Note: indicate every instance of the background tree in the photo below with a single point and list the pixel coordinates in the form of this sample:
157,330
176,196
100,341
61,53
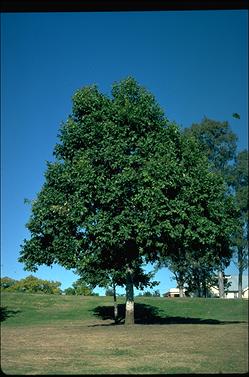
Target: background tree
195,273
109,292
70,291
218,142
126,188
147,294
238,180
155,293
81,288
194,260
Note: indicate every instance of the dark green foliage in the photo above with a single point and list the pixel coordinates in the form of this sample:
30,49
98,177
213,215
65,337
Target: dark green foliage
217,141
239,183
96,275
147,294
127,187
238,179
109,292
155,293
82,288
69,291
86,203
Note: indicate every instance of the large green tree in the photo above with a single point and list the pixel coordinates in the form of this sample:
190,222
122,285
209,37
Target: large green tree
126,187
86,211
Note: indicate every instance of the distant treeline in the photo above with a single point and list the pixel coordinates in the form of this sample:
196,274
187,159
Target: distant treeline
32,284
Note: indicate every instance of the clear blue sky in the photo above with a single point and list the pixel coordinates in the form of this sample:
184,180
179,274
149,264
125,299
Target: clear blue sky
194,62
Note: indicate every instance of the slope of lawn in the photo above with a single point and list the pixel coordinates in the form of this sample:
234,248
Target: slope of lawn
30,309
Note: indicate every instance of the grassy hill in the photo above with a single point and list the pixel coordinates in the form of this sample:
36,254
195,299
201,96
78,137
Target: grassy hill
50,334
26,309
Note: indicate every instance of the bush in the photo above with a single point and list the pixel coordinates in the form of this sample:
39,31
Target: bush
6,282
156,293
69,291
31,284
80,288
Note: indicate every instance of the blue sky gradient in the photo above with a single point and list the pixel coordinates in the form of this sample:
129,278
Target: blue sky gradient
194,62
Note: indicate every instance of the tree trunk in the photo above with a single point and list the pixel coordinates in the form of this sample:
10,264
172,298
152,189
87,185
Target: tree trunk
129,309
180,285
115,305
221,284
181,293
198,284
240,272
204,285
205,290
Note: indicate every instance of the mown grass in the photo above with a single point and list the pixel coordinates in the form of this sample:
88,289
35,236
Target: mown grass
43,334
30,309
38,309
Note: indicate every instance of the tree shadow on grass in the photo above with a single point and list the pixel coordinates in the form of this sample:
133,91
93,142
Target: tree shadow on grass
149,315
6,313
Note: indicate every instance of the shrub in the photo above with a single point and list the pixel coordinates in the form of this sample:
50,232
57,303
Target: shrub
31,284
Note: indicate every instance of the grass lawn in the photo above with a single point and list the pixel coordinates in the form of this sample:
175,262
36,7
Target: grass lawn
48,334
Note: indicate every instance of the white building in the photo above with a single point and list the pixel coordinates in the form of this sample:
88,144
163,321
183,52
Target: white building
174,292
232,291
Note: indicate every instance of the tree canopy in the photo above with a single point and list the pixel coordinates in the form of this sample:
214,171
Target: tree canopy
219,144
239,183
127,187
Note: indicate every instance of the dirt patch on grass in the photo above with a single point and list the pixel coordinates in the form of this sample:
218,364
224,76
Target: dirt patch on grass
77,348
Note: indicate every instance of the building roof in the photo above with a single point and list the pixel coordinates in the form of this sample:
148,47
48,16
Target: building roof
176,290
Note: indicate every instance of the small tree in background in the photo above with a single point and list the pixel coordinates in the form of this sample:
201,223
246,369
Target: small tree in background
69,291
238,180
147,294
81,288
109,292
218,142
